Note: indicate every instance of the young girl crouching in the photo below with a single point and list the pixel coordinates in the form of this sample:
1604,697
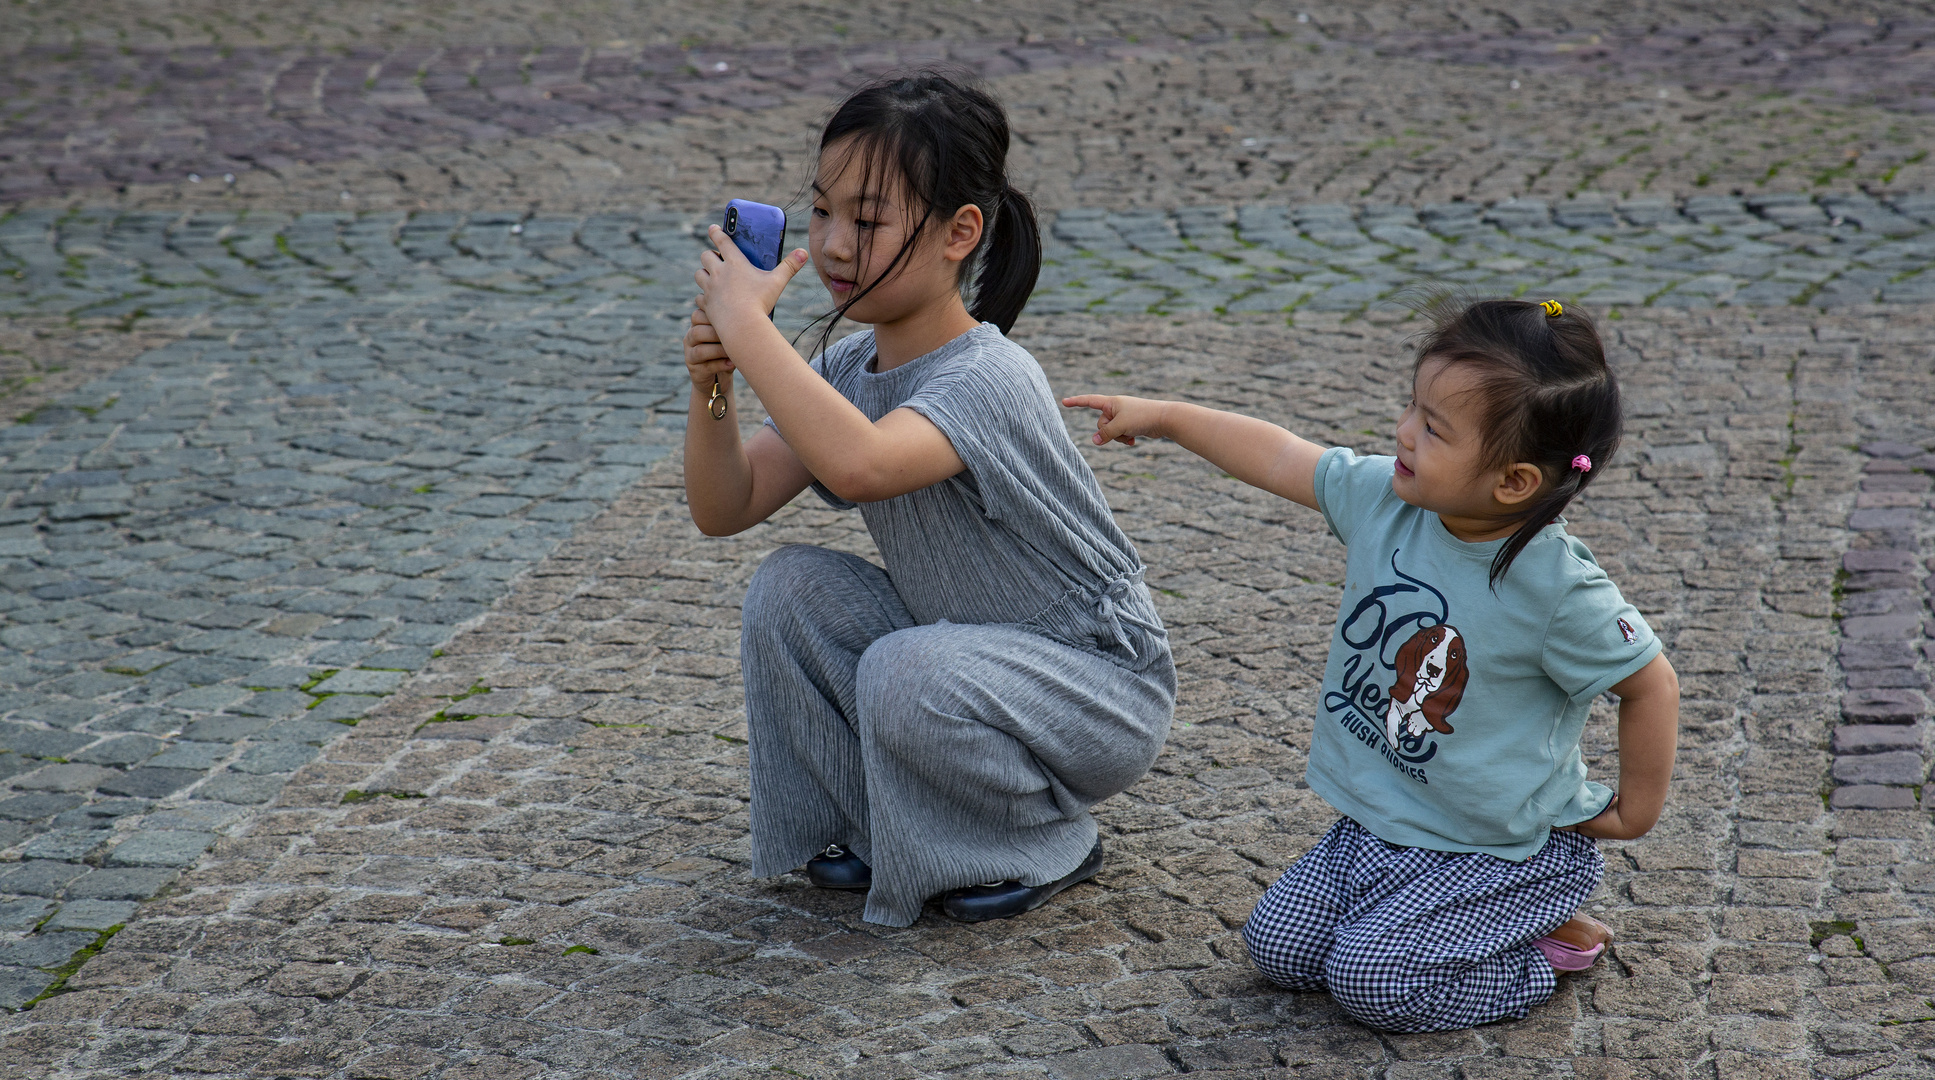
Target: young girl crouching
1473,635
939,726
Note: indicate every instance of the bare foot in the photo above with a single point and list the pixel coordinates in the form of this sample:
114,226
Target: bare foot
1583,932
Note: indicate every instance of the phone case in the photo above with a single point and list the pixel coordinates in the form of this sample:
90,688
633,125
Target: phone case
758,229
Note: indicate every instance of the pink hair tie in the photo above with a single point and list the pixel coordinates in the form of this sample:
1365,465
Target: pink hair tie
1582,463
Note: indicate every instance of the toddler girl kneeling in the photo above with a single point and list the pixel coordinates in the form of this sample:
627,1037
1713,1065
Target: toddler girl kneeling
1473,635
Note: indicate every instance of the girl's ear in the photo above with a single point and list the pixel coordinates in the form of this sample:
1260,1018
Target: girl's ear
1518,482
963,233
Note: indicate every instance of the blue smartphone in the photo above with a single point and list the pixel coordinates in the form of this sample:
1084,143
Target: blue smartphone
759,230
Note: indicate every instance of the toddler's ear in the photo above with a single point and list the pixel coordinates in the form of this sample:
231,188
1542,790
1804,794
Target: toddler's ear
1518,482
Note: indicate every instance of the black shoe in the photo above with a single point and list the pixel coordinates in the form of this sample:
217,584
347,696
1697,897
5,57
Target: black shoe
838,868
1006,899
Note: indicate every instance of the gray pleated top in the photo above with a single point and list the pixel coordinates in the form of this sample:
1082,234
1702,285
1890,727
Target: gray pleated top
1023,535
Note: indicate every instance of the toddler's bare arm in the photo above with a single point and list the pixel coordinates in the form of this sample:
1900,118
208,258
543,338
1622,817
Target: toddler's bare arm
1257,452
1649,733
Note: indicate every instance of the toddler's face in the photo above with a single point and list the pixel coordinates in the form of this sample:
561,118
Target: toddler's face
855,233
1439,447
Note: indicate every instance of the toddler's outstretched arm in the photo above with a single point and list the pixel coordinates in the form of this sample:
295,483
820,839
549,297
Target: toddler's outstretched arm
1649,732
1254,451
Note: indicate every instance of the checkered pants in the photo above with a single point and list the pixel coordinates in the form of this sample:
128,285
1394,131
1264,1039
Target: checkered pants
1411,939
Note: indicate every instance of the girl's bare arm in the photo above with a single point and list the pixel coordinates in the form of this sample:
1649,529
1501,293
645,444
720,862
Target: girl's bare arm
1649,733
1257,452
856,458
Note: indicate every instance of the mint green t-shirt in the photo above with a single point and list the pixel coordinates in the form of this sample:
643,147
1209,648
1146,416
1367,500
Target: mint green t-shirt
1451,715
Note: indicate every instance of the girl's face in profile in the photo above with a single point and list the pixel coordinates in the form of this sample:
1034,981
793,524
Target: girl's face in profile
1440,447
858,227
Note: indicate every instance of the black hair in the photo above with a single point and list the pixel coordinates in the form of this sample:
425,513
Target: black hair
943,141
1545,396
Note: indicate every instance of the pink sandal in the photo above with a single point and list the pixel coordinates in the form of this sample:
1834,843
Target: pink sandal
1563,947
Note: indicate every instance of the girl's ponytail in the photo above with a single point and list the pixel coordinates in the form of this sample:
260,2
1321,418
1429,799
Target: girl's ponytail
1010,261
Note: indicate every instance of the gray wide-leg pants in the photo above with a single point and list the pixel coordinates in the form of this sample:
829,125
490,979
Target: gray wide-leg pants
944,755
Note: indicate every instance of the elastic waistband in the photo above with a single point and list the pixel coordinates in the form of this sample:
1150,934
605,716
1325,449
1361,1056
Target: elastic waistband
1118,618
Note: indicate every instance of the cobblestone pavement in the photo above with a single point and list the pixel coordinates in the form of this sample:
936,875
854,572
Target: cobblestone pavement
1301,112
361,427
337,24
232,112
1886,61
1879,754
547,878
1706,250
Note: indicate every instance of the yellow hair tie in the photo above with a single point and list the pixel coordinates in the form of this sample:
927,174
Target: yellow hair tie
1553,309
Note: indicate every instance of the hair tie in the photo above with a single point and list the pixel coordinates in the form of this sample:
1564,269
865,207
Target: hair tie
1582,463
1554,309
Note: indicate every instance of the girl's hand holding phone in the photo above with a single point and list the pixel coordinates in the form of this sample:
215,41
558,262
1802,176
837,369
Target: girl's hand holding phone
732,288
1123,419
705,358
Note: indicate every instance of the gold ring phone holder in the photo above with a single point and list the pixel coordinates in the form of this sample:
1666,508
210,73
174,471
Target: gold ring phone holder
716,404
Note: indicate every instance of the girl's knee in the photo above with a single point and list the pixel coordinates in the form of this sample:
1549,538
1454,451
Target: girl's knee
794,585
1283,951
1375,980
921,667
785,572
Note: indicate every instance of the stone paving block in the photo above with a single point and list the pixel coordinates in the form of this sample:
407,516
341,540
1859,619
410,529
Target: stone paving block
21,985
121,750
208,698
207,740
1127,1062
274,757
1886,706
40,742
75,777
1868,738
1889,767
274,703
304,729
40,877
44,949
149,782
91,915
25,913
193,754
71,845
1858,796
240,788
117,884
343,707
160,848
360,682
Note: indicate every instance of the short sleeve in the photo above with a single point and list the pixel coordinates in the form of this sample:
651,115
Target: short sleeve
1350,487
819,366
1596,639
1000,416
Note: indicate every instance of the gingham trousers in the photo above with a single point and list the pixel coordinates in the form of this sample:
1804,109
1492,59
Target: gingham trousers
1412,939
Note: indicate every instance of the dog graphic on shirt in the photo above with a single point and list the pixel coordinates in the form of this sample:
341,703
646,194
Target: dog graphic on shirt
1431,677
